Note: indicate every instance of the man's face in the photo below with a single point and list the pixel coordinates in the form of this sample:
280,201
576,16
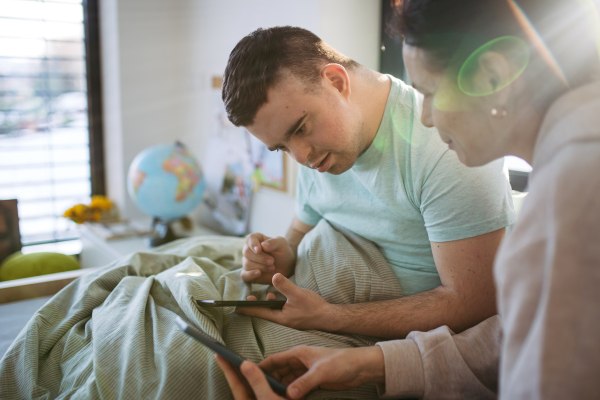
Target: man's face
318,126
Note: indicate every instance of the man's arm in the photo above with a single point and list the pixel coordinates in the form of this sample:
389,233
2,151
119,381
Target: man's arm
466,297
296,233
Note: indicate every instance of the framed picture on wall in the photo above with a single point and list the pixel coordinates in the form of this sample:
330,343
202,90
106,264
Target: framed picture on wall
10,238
236,164
269,166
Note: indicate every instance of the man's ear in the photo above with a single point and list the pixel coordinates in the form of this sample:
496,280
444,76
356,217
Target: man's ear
335,76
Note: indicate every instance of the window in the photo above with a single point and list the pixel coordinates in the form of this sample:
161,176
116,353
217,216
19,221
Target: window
50,148
519,171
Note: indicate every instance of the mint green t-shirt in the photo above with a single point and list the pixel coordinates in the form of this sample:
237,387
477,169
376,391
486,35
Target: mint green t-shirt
407,190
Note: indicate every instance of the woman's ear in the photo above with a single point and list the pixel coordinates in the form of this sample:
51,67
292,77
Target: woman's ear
495,78
335,76
493,73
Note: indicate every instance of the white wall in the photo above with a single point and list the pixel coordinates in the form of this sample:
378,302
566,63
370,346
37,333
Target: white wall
354,28
159,57
146,61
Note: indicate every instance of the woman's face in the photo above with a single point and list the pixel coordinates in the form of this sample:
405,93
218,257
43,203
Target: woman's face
465,123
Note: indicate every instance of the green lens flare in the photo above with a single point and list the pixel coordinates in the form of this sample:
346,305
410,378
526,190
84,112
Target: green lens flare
403,125
448,97
516,49
379,144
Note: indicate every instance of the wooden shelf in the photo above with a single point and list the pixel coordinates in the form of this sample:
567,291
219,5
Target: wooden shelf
38,286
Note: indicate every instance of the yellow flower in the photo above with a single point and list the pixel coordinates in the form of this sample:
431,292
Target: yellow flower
80,209
101,203
96,216
98,208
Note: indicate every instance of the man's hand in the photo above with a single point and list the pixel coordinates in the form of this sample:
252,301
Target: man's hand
305,368
254,386
265,257
304,308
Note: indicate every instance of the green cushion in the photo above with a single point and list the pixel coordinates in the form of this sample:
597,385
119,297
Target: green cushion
17,265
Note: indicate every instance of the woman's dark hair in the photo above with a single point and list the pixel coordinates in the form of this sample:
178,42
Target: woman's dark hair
451,30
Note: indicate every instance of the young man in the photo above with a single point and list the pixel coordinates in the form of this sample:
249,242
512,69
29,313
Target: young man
370,167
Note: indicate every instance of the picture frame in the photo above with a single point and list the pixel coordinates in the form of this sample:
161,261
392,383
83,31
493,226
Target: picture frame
10,236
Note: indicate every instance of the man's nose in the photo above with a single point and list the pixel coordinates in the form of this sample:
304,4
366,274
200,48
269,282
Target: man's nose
300,151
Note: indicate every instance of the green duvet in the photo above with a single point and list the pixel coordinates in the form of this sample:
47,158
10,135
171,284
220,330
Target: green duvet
111,333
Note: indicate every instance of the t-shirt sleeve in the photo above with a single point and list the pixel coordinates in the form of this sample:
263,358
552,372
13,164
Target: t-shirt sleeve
459,202
304,210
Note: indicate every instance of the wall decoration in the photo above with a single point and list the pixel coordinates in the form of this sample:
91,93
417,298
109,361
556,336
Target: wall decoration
236,164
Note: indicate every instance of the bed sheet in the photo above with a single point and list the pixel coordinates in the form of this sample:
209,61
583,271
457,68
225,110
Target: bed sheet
14,317
111,333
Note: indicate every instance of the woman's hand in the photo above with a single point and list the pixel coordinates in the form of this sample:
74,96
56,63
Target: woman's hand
305,368
252,384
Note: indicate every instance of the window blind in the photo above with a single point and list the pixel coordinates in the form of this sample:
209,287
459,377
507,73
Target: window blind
44,137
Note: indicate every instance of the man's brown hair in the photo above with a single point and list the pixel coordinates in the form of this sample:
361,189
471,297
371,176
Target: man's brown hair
258,61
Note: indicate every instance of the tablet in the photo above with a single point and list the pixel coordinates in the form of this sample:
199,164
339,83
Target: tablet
231,356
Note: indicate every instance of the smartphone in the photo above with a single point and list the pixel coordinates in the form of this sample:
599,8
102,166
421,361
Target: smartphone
228,354
274,304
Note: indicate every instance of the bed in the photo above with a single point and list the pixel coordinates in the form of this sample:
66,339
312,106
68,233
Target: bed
14,317
111,333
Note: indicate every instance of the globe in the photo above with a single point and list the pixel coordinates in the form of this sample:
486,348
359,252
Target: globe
165,181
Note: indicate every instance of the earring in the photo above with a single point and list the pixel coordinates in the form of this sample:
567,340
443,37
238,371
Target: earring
499,113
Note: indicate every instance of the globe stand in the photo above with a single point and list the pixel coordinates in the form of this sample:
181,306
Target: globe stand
164,232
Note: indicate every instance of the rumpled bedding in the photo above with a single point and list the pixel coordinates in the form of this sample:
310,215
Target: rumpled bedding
111,334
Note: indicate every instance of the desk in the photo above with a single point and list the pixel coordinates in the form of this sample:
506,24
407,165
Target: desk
97,252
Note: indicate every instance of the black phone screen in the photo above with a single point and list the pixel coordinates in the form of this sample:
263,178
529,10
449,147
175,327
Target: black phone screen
274,304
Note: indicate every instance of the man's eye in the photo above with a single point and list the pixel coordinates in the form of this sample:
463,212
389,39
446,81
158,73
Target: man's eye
300,130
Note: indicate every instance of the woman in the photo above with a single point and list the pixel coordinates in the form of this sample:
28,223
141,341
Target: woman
499,78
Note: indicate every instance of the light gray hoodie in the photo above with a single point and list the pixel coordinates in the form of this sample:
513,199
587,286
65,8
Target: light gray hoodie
546,345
